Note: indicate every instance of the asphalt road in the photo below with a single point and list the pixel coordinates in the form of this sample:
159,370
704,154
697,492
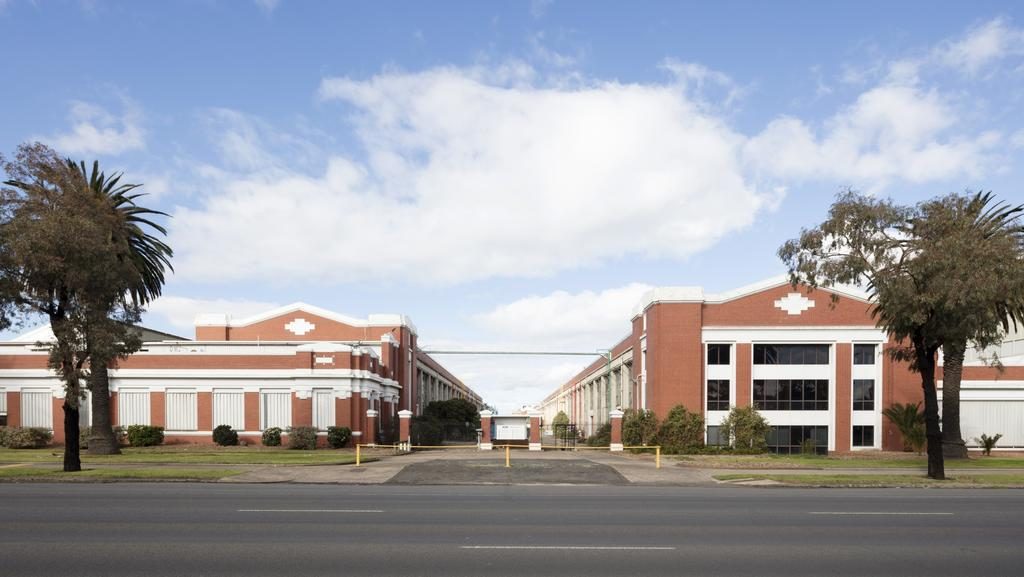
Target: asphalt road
253,530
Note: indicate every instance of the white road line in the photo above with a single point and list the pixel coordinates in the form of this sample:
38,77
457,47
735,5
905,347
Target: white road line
874,513
570,547
310,511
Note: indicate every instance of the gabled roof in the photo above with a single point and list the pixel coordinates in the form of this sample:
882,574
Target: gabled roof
375,320
43,334
695,294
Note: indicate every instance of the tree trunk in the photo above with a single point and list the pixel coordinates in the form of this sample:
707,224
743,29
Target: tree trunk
102,441
72,459
953,445
926,366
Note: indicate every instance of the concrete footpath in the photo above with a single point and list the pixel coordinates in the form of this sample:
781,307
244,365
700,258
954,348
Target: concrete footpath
471,466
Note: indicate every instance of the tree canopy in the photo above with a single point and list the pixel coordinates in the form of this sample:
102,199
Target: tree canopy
66,253
924,267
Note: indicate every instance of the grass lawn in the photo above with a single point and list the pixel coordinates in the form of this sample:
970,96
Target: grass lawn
840,480
137,473
191,455
890,461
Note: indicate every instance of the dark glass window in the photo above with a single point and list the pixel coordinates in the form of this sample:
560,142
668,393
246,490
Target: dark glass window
863,354
718,354
790,394
790,440
718,394
863,436
863,394
715,437
791,354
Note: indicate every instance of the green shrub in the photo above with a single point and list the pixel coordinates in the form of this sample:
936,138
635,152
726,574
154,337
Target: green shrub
25,437
809,447
746,429
639,428
559,425
602,437
681,431
303,438
425,431
272,437
145,435
224,436
988,443
338,437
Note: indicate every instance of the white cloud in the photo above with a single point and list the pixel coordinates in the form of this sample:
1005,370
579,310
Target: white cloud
267,6
892,132
180,312
547,55
249,145
982,45
538,8
582,321
473,174
1017,140
94,130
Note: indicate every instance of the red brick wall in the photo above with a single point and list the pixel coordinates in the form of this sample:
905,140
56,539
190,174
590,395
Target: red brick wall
343,413
252,411
325,330
13,409
744,374
759,310
204,408
58,420
302,411
674,357
844,395
157,409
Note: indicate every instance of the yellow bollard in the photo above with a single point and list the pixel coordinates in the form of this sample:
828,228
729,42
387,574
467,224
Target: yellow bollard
657,457
358,446
508,453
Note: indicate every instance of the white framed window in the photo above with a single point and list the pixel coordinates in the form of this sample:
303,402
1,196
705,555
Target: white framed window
37,408
182,411
275,408
3,407
132,407
229,408
323,408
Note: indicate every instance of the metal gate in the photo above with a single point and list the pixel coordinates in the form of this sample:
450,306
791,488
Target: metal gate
566,436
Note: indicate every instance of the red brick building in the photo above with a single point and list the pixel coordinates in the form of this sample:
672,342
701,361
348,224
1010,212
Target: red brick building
813,368
298,365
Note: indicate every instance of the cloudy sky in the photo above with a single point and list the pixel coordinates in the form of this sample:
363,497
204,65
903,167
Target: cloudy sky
511,175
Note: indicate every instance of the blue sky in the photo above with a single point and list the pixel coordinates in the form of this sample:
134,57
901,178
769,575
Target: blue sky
509,174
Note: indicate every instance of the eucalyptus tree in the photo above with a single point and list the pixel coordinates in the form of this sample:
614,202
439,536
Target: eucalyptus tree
867,241
66,253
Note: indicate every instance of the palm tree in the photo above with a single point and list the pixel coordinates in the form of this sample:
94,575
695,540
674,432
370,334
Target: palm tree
148,258
909,419
978,245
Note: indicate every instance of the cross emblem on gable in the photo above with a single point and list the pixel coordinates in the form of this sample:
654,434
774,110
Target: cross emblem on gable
299,326
794,303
